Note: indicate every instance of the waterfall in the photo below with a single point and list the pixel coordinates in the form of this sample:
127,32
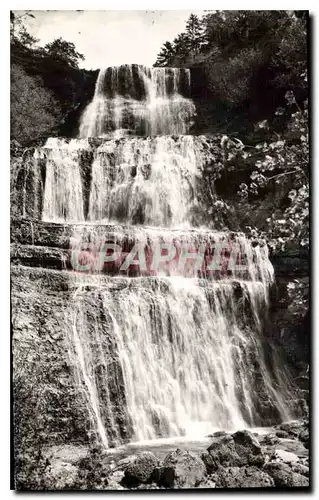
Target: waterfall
63,197
163,353
139,100
154,179
135,180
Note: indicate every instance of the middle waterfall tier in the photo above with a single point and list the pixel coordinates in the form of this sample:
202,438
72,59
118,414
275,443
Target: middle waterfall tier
137,180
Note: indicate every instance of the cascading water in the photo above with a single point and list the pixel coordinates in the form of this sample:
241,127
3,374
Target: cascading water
163,355
63,197
154,179
139,100
135,180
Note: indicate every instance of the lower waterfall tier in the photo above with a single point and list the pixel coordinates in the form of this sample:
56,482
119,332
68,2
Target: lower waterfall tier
139,251
134,359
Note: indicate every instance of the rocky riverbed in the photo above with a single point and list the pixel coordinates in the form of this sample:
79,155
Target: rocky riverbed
278,458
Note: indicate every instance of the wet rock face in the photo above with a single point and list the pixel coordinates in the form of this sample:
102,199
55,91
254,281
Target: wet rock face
181,469
289,318
40,303
42,371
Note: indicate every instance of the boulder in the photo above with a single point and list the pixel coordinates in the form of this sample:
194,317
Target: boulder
181,469
243,477
293,428
217,434
300,469
241,448
282,434
270,439
304,437
284,476
221,452
114,486
141,469
248,448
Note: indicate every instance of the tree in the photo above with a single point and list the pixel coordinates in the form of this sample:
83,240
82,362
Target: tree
18,31
181,48
280,175
166,55
34,112
194,33
247,60
64,51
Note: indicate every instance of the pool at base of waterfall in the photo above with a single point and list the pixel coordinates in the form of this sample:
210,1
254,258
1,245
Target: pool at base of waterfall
160,447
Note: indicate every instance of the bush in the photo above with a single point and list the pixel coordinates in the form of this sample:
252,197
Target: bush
34,112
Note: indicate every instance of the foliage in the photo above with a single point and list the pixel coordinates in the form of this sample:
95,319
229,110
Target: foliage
298,294
34,112
64,51
261,189
166,55
184,46
18,32
54,72
283,166
248,59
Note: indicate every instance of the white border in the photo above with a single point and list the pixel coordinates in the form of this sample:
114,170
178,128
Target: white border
4,186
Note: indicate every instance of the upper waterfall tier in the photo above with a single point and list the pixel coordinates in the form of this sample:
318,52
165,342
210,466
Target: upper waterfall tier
138,100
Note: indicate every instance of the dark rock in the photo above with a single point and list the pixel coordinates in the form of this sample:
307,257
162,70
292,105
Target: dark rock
221,452
243,477
242,448
270,439
248,448
141,470
305,394
181,469
293,428
304,437
284,476
282,434
300,469
218,434
302,382
268,413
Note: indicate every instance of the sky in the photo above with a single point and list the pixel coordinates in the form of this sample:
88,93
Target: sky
110,37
